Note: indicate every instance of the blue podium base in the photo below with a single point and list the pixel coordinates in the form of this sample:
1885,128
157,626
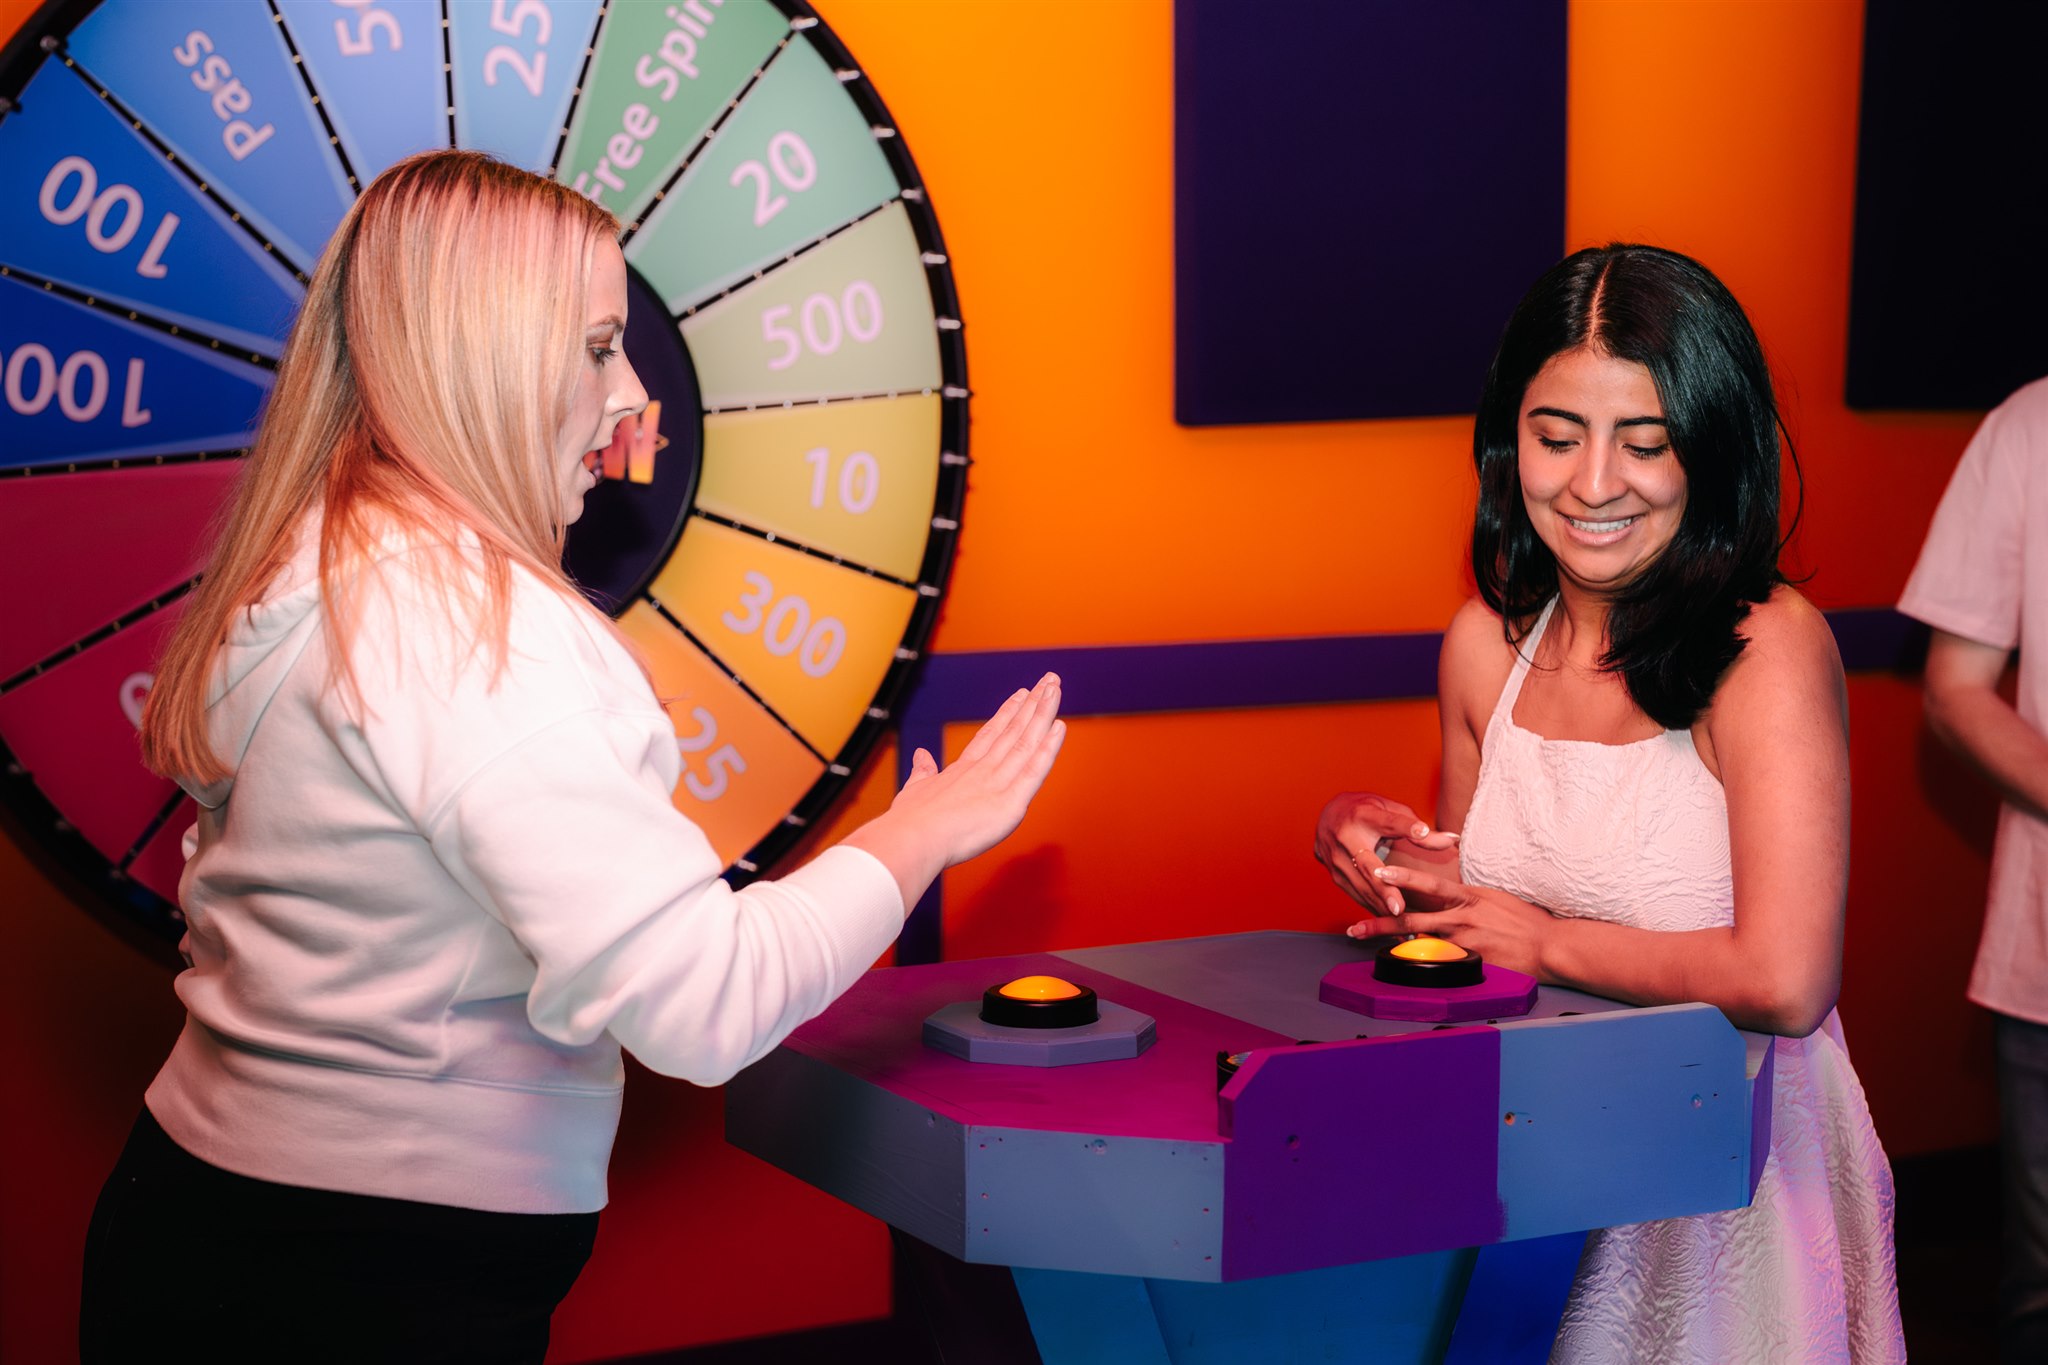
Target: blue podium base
1494,1305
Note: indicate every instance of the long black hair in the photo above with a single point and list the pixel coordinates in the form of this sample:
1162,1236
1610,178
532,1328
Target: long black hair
1672,630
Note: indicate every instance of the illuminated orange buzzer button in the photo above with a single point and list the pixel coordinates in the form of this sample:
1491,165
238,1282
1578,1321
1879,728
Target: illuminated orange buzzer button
1431,963
1426,949
1040,988
1039,1002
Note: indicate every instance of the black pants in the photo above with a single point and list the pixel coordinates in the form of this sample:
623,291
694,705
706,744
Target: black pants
2023,1148
187,1261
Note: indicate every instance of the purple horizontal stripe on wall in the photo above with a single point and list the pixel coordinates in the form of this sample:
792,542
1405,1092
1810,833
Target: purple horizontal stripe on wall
1214,675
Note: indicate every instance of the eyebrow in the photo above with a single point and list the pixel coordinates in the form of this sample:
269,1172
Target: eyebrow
1575,417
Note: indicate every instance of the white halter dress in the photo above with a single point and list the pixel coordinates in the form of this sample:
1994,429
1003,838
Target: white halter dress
1637,834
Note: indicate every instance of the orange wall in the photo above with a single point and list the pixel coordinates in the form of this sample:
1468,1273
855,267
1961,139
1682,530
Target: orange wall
1724,130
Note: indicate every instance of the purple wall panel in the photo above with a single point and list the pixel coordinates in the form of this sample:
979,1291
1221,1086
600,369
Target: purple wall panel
1361,193
1950,113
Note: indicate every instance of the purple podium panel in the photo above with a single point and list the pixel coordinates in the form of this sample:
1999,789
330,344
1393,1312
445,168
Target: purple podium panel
1762,1064
1501,993
1308,1127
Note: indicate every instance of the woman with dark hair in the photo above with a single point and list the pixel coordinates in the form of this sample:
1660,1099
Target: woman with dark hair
1646,765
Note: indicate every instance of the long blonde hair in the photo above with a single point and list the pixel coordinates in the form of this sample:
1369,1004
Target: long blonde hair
420,392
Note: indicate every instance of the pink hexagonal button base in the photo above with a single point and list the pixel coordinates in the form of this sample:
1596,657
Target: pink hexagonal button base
1501,993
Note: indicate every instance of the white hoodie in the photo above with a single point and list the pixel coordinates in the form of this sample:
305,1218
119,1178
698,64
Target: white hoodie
421,930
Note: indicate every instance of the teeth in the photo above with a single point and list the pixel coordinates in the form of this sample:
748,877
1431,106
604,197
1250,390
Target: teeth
1598,527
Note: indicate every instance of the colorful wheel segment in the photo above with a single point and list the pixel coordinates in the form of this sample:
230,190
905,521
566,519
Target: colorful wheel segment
775,535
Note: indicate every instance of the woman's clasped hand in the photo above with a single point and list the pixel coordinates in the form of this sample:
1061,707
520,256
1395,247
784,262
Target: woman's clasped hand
1359,831
1421,893
1501,928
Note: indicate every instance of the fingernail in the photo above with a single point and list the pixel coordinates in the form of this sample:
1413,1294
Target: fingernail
1448,834
1421,831
1386,874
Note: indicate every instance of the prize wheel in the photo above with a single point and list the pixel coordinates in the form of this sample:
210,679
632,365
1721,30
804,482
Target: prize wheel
774,534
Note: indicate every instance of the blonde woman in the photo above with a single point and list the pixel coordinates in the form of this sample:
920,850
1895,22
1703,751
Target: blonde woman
437,883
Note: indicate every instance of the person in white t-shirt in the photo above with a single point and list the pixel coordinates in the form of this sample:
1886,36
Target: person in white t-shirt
1982,584
437,882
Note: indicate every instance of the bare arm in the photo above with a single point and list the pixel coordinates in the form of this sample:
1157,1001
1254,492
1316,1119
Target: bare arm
1471,672
1965,709
1780,730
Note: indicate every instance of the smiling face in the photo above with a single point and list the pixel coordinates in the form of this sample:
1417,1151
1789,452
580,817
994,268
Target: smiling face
1603,488
606,387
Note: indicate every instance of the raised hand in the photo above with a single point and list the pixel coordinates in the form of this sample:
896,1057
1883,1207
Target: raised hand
981,796
946,816
1358,831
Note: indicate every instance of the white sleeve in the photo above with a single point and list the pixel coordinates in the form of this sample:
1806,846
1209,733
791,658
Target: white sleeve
544,790
569,839
1969,577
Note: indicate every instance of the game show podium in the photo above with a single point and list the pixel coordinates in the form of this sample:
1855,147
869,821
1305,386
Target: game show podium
1359,1190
